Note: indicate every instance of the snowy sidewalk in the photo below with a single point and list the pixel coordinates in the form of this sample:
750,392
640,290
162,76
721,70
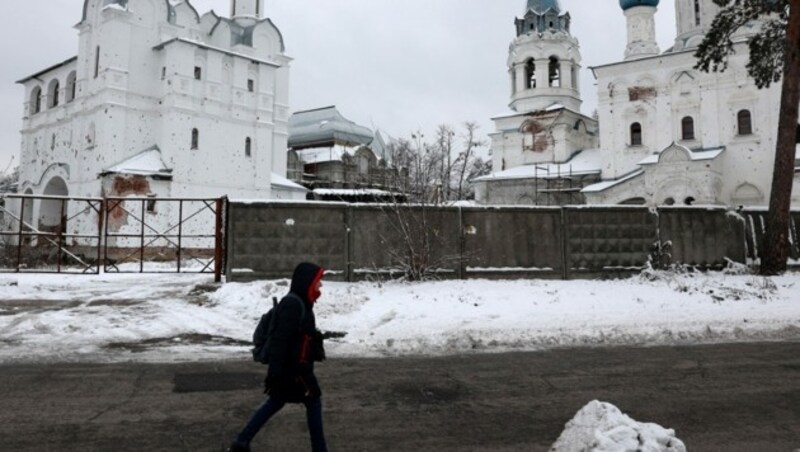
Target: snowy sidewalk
168,318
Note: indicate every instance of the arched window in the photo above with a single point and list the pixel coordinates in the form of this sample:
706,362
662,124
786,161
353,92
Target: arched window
687,128
744,122
72,85
554,72
195,138
247,146
530,74
636,134
36,100
52,94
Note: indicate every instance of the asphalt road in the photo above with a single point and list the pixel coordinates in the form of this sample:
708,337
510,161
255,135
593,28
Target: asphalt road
717,398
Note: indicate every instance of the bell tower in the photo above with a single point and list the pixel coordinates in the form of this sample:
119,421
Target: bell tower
640,15
544,60
247,12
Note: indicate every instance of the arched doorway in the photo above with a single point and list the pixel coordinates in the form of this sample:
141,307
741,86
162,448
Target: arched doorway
51,211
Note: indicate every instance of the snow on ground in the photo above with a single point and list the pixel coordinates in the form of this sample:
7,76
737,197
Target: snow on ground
602,427
169,317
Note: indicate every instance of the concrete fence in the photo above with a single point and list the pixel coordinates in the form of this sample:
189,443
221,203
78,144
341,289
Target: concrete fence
355,241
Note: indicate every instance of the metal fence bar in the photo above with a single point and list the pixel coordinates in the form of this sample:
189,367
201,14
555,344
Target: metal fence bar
102,241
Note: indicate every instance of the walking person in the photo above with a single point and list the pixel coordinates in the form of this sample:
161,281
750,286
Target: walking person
294,346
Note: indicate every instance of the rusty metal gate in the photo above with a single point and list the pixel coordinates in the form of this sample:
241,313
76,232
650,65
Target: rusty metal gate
53,234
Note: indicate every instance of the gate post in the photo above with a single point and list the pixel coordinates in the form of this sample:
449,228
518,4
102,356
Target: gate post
218,242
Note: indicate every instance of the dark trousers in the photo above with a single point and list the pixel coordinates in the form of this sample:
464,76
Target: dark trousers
272,406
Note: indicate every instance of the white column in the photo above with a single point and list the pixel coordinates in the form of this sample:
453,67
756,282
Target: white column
566,74
522,84
543,73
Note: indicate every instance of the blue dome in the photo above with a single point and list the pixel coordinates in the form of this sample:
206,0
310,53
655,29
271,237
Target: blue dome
627,4
541,6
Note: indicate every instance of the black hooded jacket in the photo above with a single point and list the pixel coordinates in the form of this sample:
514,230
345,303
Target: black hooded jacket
291,369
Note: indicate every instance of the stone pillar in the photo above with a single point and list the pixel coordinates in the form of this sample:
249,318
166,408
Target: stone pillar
522,85
543,73
566,74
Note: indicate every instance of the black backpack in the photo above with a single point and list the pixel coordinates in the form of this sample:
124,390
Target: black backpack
266,328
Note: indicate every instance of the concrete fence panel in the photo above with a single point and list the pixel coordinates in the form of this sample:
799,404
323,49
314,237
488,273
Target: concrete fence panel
267,240
602,240
703,238
513,242
387,238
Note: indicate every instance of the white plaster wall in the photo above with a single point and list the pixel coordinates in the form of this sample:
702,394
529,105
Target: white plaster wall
129,106
712,100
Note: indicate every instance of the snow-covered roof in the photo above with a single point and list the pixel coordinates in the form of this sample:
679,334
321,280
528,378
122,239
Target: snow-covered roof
694,156
284,183
203,45
605,185
325,153
351,192
582,163
145,163
325,125
553,107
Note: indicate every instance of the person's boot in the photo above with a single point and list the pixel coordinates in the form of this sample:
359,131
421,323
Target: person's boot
237,447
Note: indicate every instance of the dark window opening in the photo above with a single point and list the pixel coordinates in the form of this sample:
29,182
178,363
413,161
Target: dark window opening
555,72
198,73
71,87
687,128
744,122
54,94
689,201
195,138
53,142
163,73
669,201
530,74
250,85
697,12
97,61
636,134
37,100
247,147
151,204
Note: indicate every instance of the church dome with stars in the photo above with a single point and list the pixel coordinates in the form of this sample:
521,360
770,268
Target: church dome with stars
627,4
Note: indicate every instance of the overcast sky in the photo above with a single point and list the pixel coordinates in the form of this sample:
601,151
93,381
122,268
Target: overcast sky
401,65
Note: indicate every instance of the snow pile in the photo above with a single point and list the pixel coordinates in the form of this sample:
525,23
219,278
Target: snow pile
602,427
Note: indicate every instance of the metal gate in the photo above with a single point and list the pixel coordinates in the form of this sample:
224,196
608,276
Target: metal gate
52,234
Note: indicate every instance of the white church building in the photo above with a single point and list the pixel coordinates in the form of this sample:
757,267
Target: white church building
665,134
160,102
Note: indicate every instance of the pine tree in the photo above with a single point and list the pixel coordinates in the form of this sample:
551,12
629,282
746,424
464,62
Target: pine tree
774,55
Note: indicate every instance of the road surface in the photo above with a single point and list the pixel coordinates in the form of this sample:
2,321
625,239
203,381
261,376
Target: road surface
717,398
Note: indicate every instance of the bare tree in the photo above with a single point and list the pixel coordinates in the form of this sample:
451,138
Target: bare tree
413,235
466,158
9,178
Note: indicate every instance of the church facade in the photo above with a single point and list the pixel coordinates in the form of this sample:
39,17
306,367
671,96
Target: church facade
160,102
670,134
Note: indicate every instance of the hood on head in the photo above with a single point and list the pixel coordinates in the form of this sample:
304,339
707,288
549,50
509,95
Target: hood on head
304,277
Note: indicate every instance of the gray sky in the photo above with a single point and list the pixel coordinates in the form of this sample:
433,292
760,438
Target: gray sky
401,65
